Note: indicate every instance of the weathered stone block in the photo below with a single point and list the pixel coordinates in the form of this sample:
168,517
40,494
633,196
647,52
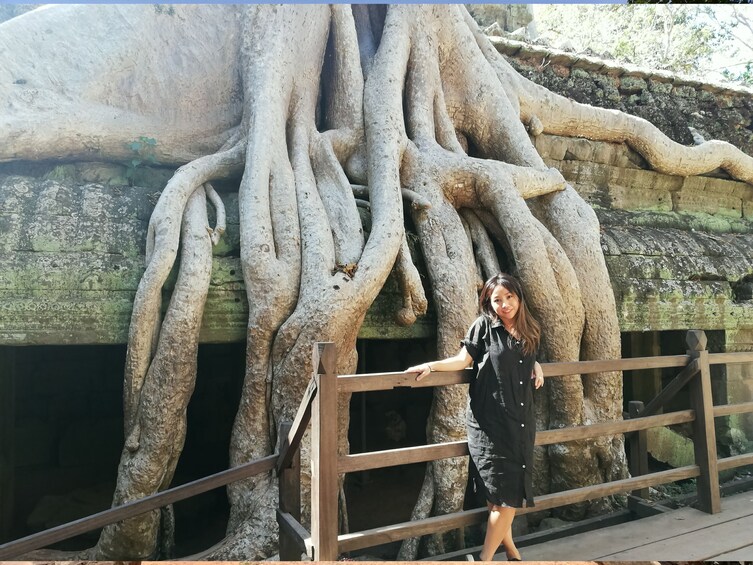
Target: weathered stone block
659,87
552,146
740,386
670,447
706,96
580,73
747,210
631,198
656,305
631,85
686,201
608,153
609,246
684,91
636,178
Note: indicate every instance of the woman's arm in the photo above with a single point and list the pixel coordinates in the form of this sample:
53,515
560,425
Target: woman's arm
455,363
537,375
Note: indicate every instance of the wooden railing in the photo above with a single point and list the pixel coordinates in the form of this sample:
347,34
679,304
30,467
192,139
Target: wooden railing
285,461
320,406
324,544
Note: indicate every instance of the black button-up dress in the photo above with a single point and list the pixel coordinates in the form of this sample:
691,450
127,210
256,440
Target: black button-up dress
500,418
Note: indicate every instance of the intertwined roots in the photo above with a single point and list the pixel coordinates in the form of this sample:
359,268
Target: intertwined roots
325,109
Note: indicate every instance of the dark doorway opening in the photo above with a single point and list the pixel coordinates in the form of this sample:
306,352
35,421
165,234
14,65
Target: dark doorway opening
387,420
66,429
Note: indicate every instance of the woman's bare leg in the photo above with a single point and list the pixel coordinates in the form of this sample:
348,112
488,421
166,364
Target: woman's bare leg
509,545
498,529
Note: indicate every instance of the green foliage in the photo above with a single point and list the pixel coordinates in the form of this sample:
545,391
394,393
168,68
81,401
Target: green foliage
737,26
143,155
660,36
744,76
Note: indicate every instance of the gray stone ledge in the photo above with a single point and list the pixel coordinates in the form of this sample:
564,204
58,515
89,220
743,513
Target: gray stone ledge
520,49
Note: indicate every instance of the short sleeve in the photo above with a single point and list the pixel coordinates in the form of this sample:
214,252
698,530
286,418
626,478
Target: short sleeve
476,339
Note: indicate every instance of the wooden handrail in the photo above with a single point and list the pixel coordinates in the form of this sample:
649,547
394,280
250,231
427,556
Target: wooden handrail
423,453
549,437
386,381
135,508
295,530
727,463
698,360
403,456
297,429
669,391
436,524
560,369
727,358
730,409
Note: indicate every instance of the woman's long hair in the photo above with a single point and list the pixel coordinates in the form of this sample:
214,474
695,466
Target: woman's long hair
528,328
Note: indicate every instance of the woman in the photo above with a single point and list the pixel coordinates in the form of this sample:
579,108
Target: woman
502,345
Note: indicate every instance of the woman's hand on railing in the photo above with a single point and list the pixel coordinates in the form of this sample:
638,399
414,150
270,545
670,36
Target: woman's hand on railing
455,363
537,375
423,369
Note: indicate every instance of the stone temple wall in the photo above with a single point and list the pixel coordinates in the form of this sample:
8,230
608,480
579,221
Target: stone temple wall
671,102
678,249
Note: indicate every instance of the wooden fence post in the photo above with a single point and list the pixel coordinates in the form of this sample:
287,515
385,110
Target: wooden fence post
324,484
289,483
704,435
638,449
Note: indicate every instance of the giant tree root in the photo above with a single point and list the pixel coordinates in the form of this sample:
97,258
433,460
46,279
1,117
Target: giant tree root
369,103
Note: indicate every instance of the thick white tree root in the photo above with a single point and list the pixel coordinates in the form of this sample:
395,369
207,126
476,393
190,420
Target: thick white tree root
150,466
368,106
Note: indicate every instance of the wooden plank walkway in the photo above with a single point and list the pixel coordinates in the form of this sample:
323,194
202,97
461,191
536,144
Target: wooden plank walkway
686,534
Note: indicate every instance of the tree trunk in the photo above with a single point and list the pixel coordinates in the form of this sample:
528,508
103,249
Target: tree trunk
318,107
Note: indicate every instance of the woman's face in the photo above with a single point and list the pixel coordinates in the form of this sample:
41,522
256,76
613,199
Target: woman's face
505,304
